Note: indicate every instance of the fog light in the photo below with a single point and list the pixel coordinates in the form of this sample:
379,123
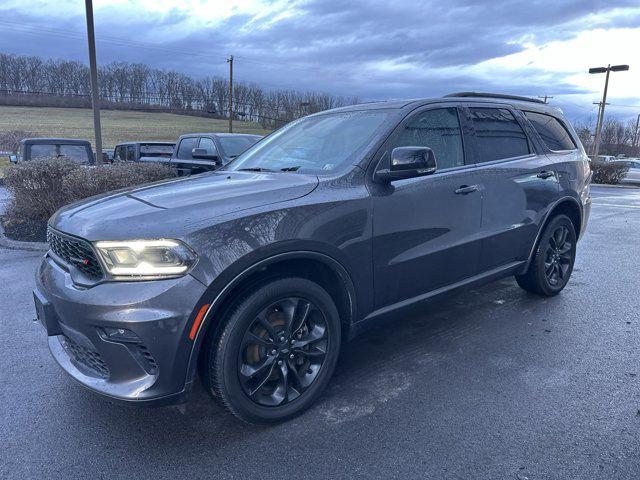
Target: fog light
120,335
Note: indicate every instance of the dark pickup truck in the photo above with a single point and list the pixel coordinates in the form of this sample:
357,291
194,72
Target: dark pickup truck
203,152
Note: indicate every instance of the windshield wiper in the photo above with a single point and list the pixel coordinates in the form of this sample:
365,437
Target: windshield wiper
290,169
255,169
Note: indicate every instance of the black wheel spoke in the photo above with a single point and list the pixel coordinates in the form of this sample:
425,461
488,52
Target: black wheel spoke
262,320
251,338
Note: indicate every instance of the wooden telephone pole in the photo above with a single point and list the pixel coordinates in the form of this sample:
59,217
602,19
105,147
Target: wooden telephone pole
230,62
93,70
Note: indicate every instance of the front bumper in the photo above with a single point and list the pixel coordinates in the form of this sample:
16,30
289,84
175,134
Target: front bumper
152,369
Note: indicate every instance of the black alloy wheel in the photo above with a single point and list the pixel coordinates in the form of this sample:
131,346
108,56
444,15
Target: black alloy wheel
282,351
275,352
553,259
559,256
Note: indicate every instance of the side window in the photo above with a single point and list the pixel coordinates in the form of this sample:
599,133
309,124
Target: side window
186,146
553,133
440,131
77,153
131,153
498,134
118,154
208,145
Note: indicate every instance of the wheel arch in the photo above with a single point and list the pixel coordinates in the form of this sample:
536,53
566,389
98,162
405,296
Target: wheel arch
568,206
319,267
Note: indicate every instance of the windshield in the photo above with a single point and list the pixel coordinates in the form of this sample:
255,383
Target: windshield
234,146
313,144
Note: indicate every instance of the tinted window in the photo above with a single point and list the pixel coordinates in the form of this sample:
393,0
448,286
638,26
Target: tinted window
208,145
74,152
155,150
440,131
43,151
314,144
118,154
131,153
234,146
186,147
552,132
498,134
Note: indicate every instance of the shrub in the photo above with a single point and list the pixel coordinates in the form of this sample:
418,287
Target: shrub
10,140
610,173
40,187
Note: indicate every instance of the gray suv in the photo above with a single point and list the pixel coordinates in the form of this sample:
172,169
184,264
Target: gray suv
255,274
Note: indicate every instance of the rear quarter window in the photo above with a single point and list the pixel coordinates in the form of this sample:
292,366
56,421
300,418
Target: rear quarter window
553,133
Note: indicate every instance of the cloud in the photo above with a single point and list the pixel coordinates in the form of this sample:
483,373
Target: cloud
373,49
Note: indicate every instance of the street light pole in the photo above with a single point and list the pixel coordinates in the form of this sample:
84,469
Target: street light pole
608,69
93,70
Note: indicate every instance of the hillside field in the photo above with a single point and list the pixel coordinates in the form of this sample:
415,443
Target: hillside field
117,125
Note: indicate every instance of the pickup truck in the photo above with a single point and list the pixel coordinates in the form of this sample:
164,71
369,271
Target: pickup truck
202,152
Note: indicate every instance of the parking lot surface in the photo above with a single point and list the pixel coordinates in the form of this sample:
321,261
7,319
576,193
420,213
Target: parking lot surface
491,383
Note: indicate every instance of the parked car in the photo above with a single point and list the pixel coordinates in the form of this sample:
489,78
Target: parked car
159,152
633,175
203,152
34,148
256,273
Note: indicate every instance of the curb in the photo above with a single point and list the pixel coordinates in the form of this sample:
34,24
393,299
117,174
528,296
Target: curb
17,245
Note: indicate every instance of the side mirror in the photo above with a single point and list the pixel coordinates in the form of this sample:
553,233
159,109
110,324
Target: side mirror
13,158
408,162
202,154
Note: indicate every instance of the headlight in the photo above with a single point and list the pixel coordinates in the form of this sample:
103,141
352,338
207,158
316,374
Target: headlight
146,258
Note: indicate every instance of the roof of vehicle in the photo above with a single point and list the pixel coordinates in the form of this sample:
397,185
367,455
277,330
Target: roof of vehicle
150,142
221,134
524,103
44,140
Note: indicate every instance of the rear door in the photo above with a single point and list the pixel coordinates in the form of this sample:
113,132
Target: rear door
425,230
519,183
183,159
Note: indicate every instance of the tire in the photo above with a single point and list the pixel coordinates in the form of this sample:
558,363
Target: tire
257,375
553,260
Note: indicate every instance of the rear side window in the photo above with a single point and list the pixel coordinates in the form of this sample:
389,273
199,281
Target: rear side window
440,131
43,151
118,154
75,152
131,153
186,147
553,133
498,134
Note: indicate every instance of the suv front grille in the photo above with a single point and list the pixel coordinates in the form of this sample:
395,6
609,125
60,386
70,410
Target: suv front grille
76,252
87,358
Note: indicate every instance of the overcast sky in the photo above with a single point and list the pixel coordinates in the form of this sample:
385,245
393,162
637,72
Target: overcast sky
371,49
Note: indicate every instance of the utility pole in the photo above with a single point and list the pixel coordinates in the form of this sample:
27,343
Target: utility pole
635,132
230,62
93,70
545,98
608,69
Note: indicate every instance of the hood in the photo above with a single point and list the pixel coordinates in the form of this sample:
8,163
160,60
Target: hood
169,208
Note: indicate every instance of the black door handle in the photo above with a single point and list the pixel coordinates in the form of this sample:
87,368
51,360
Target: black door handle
545,174
466,189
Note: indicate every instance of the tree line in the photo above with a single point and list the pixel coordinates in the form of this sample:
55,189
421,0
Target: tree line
616,138
136,84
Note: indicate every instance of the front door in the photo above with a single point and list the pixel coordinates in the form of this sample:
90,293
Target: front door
425,230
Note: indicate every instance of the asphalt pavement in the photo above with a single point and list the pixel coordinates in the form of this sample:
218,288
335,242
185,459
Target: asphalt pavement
492,383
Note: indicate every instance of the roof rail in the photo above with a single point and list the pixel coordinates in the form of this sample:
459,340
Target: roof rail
494,95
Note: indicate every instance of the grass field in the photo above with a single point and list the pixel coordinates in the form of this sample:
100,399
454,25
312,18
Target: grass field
117,125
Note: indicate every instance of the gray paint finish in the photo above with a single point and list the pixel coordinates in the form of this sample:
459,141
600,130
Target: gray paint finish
390,245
